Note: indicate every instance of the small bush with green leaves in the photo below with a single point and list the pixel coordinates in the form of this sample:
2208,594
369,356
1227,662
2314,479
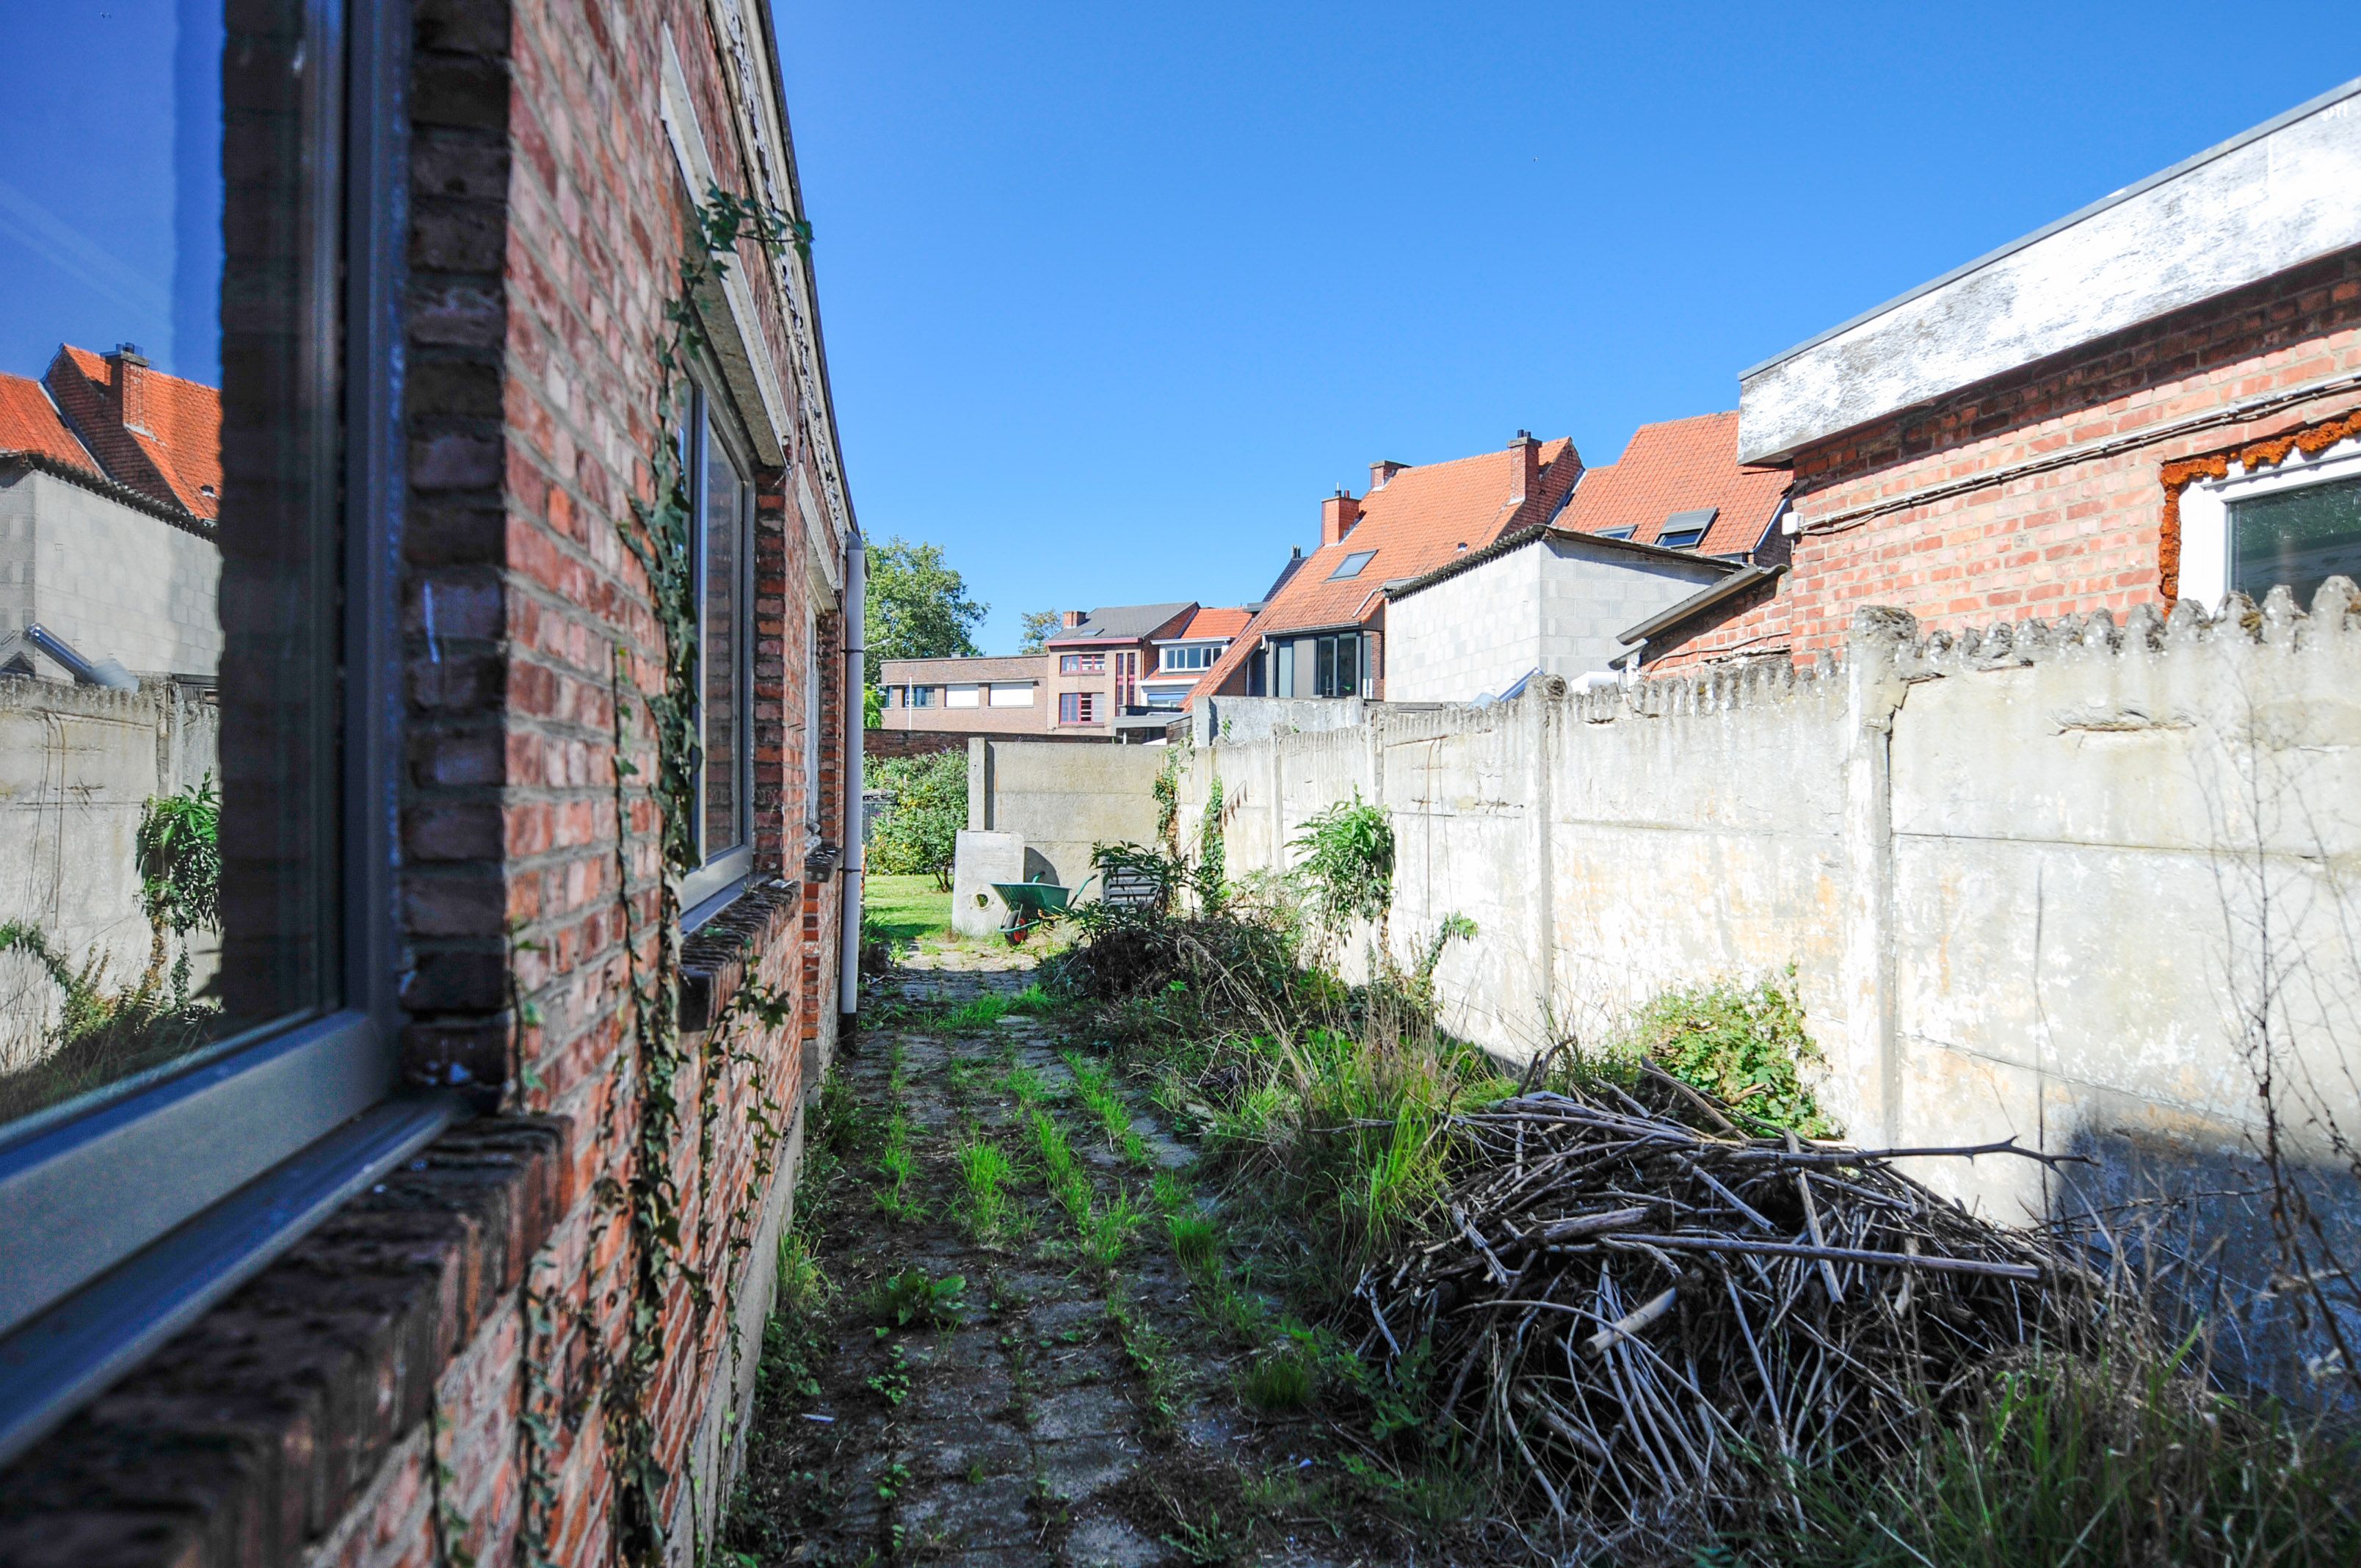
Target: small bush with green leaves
1347,865
927,808
914,1297
1742,1044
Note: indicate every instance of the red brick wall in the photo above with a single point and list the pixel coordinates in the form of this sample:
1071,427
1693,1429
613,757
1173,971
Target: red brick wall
2044,492
416,1333
593,224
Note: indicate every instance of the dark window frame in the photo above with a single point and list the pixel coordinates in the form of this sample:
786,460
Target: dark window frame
130,1212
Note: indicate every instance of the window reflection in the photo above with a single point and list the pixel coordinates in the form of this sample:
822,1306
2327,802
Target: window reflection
166,541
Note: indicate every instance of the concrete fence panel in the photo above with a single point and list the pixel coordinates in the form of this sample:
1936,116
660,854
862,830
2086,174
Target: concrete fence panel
2052,882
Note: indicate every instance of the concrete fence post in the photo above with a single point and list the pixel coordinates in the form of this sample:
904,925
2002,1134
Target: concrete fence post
1540,700
1873,692
979,784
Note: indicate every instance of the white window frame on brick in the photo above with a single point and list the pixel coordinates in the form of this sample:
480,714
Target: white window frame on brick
965,694
2205,512
1012,694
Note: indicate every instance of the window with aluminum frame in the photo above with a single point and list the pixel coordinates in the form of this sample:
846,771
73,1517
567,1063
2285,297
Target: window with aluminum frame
128,1212
721,500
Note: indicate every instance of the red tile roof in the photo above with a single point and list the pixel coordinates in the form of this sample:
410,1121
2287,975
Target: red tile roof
1680,464
170,450
1420,519
29,422
1213,623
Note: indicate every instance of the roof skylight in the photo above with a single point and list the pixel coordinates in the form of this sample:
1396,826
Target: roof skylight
1350,567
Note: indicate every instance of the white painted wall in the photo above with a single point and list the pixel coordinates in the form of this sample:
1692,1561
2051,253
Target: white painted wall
1554,605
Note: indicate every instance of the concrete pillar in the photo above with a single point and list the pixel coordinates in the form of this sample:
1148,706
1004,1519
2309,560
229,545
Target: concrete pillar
979,784
1874,692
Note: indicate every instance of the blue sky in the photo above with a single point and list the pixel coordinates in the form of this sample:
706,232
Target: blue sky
110,221
1114,294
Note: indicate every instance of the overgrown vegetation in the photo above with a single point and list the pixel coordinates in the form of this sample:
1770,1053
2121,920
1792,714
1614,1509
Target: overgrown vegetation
1330,1109
928,806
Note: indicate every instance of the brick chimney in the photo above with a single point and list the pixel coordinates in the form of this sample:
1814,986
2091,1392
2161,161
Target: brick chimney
1380,472
1338,514
1069,620
129,367
1527,472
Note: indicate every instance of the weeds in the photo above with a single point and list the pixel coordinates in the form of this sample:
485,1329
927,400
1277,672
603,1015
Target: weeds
2063,1460
1090,1081
915,1297
985,1174
1281,1379
899,1163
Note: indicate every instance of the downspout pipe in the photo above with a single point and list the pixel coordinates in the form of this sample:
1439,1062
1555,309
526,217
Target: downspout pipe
856,852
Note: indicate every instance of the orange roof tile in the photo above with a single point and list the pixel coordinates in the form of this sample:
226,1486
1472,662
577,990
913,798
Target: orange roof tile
1420,519
1214,623
172,452
29,422
1680,464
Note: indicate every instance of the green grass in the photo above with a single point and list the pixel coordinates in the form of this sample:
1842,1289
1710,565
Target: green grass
905,909
2124,1461
985,1173
1098,1093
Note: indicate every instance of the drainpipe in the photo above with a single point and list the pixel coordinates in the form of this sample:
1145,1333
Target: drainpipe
856,854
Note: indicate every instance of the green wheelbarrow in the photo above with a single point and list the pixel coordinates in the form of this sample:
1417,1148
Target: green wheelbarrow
1030,904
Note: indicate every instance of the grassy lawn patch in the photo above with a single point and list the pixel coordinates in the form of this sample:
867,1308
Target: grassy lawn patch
905,908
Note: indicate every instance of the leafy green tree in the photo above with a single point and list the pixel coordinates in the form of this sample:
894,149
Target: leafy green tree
1037,624
926,806
918,607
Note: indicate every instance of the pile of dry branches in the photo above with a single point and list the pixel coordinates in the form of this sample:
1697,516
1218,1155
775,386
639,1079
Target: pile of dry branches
1624,1304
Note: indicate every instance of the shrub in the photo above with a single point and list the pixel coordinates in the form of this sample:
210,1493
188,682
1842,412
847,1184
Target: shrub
1742,1044
1347,870
919,836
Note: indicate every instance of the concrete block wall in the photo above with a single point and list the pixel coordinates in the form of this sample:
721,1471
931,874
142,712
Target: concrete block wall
2034,880
116,581
1063,800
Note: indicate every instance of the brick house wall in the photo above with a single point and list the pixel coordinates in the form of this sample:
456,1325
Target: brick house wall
2051,491
428,1374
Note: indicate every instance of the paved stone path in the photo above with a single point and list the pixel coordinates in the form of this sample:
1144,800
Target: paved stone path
1063,1412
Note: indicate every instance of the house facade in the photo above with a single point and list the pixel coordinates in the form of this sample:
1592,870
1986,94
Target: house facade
1119,672
110,477
1674,523
985,696
1322,632
538,610
2153,401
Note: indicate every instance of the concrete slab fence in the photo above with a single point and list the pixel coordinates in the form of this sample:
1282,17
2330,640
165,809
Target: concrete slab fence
2062,881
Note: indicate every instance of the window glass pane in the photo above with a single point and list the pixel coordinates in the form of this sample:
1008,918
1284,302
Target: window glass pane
168,559
2301,537
720,643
